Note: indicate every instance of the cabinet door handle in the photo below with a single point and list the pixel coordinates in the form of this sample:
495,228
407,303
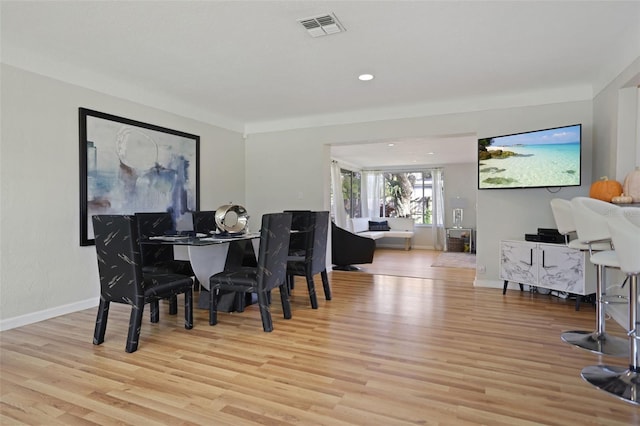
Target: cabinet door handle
530,257
543,265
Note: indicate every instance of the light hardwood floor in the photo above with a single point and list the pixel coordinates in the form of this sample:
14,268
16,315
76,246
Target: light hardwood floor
386,350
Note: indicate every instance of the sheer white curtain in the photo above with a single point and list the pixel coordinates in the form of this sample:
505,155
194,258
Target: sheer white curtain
339,213
370,193
437,213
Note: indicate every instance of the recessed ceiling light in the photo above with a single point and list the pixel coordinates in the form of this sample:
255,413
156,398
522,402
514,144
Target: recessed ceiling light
391,144
365,77
430,153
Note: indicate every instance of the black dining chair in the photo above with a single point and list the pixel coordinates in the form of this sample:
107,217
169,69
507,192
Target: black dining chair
204,222
301,224
123,281
269,273
310,261
159,258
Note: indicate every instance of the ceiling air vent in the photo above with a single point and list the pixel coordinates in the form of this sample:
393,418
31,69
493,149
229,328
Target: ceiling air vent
322,25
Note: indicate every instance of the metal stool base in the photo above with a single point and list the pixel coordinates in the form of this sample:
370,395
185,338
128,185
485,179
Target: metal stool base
617,381
602,344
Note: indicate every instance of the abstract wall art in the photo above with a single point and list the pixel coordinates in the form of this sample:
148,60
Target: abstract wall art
127,166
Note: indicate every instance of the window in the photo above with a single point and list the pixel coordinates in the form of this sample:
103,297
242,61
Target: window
408,194
351,186
388,193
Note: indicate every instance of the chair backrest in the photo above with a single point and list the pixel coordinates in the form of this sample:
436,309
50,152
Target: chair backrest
301,221
274,250
151,225
590,216
563,215
204,221
319,249
624,226
118,253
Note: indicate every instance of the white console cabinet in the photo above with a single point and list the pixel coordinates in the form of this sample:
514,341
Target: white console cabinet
552,266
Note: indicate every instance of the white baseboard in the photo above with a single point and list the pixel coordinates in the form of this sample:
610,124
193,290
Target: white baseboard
19,321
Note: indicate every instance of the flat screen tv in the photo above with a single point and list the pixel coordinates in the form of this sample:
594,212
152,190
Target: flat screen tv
536,159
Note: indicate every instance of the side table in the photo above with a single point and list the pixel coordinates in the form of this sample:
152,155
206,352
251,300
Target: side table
467,234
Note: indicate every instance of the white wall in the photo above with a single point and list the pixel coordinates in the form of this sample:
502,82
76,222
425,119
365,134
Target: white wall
43,270
501,214
615,117
461,181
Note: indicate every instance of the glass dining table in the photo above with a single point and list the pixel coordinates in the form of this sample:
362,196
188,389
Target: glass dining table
210,254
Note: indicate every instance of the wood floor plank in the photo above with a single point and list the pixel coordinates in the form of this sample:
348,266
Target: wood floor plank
425,348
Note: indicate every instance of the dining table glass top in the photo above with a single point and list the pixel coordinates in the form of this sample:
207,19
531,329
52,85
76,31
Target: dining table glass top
200,239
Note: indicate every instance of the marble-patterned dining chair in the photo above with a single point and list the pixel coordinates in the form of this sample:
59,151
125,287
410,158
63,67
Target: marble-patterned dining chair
269,273
312,260
159,258
122,279
204,222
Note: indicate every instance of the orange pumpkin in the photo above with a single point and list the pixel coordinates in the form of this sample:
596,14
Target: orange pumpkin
605,189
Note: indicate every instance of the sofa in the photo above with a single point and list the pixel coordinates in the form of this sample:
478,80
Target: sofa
385,227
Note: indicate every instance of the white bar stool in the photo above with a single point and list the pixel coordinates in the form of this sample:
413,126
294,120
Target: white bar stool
590,216
563,216
618,381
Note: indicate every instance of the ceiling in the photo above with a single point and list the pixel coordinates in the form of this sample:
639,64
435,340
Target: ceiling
407,152
250,66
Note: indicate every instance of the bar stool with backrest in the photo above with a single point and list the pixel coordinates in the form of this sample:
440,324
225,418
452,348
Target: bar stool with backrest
563,216
621,382
590,216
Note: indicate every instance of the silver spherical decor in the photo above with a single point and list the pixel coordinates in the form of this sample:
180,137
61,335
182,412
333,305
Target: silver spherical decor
231,218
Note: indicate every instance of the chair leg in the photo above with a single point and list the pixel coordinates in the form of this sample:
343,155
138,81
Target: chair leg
312,291
101,322
325,285
213,306
188,309
173,305
135,323
286,303
155,310
240,301
291,282
265,311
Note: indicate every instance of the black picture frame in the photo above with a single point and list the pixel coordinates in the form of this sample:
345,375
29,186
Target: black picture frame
127,166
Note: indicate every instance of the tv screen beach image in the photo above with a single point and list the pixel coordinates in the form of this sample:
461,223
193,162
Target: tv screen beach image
543,158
